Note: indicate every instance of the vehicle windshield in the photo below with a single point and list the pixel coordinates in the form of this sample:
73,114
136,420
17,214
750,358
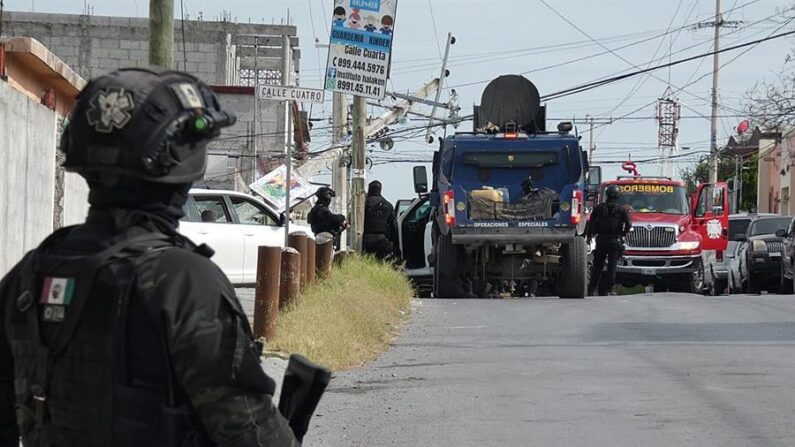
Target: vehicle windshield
654,198
769,226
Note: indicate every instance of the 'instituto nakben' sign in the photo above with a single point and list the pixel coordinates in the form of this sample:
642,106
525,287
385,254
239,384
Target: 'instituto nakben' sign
360,47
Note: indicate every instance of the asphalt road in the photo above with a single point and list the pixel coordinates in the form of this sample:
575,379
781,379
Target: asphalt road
645,370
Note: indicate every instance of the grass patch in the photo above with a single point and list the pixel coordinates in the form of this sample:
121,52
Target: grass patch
347,319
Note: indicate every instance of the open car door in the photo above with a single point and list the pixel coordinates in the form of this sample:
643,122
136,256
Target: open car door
711,215
414,231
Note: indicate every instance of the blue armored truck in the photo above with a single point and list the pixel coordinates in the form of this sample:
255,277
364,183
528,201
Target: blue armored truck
506,209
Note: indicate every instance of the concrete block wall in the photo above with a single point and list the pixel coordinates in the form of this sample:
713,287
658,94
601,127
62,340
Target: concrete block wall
93,45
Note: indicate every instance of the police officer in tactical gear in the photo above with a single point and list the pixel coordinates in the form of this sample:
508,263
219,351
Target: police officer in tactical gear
610,223
321,219
380,226
120,331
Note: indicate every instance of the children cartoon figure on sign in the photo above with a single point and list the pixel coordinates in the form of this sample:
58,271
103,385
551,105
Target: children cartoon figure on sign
387,23
355,20
339,16
371,23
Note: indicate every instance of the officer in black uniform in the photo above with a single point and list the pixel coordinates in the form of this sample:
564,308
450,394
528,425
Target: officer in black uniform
380,226
120,331
609,223
322,220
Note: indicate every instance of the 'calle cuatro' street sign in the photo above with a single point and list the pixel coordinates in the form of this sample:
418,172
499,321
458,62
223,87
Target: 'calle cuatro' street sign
279,93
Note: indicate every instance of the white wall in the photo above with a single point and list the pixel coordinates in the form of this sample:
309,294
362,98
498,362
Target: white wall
27,174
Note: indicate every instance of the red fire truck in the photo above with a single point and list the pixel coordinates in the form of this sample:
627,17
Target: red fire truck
673,236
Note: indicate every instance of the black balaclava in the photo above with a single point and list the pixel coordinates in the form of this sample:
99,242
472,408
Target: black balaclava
375,189
139,203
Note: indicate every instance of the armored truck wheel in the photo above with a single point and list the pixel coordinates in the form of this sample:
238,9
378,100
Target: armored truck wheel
573,277
447,281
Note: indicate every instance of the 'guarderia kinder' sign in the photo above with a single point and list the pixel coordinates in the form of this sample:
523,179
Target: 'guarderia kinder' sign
360,47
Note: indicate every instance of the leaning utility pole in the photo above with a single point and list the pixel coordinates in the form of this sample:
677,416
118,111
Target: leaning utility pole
339,168
358,147
161,33
442,76
713,136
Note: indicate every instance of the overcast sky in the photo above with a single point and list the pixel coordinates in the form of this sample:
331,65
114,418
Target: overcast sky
497,37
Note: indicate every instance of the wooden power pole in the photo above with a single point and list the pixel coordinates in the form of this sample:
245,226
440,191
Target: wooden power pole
358,149
161,33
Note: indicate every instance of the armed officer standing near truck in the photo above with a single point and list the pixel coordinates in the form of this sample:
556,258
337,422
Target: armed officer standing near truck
609,223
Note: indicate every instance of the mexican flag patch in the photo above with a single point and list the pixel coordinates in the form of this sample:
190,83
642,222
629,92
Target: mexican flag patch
58,291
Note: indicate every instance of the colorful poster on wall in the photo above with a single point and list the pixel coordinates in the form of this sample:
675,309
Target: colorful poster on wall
272,187
360,47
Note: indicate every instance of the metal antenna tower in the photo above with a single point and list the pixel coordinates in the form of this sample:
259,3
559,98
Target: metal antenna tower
669,112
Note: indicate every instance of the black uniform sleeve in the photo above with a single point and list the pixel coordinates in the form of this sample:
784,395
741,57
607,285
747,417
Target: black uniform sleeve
9,431
329,220
626,222
591,224
214,357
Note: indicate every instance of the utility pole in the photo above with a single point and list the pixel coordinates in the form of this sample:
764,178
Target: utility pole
339,169
286,67
161,33
358,148
713,136
591,145
1,18
254,161
590,121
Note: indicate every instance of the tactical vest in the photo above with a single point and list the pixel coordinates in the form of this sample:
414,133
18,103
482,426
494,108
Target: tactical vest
607,220
377,216
68,333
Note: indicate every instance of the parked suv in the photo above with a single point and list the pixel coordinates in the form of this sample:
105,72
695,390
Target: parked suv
788,259
719,266
757,263
234,224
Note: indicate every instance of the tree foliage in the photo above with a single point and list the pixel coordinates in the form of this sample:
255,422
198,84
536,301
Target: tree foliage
692,176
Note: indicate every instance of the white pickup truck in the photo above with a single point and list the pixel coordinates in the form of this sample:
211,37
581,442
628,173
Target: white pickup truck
234,224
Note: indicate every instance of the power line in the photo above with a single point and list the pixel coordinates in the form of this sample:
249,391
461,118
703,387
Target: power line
435,30
613,79
568,62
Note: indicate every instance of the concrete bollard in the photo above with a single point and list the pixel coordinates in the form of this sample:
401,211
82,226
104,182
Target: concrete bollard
297,241
266,295
289,286
311,261
324,254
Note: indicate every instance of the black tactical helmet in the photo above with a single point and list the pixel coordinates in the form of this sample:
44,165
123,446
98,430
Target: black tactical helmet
326,193
143,124
612,192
